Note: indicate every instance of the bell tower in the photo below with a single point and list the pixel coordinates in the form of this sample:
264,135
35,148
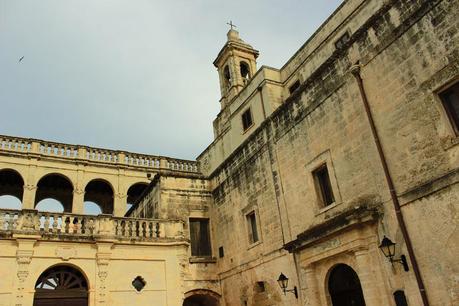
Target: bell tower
236,64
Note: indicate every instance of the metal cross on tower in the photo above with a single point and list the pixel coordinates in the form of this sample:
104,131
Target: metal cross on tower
231,24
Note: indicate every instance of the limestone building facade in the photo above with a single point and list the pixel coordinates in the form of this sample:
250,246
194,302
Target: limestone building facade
350,149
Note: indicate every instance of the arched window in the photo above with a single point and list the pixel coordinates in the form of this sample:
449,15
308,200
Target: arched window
61,285
57,187
11,189
101,193
245,71
227,76
344,287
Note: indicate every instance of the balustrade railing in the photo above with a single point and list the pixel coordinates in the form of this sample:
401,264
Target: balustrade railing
17,144
105,226
96,155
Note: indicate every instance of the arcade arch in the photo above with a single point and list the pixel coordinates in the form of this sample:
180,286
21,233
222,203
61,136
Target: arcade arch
134,192
101,193
55,186
11,189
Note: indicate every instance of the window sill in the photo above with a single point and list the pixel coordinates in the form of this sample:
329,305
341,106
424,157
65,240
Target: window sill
254,245
247,129
203,259
327,208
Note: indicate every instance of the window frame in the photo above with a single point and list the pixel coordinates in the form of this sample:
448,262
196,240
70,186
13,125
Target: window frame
209,240
251,226
322,187
247,111
453,118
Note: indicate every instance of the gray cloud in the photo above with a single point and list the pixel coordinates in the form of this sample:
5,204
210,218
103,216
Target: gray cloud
133,75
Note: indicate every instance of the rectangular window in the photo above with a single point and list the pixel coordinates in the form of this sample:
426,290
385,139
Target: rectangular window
200,238
247,120
294,87
221,252
450,101
323,185
253,230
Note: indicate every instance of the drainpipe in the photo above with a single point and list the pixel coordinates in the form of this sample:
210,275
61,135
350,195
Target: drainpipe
260,88
355,70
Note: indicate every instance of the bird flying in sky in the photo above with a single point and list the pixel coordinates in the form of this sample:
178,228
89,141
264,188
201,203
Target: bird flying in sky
21,59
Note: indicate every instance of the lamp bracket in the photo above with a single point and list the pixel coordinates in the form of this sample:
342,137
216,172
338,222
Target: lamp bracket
402,260
294,291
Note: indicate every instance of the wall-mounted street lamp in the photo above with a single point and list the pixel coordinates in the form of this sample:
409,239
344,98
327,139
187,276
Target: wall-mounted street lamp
283,283
388,249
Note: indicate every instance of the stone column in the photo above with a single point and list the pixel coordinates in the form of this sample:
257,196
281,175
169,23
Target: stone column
119,204
30,188
78,201
367,278
312,293
28,197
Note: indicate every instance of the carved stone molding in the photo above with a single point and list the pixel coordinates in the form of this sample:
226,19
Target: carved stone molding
78,191
30,187
65,253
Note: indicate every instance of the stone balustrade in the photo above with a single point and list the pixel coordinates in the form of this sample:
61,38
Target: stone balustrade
62,225
93,155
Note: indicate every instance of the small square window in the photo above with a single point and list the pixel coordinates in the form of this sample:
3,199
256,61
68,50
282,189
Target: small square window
221,252
450,101
339,44
247,120
260,287
294,87
138,283
253,229
323,185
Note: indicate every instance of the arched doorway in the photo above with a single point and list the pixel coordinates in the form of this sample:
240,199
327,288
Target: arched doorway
344,287
61,285
201,297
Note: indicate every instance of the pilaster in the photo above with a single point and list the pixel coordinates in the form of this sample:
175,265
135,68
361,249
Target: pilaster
312,293
24,255
103,256
367,277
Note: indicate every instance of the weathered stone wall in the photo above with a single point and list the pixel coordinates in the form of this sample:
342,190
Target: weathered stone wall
407,50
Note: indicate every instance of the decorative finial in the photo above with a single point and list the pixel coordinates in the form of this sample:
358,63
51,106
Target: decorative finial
231,24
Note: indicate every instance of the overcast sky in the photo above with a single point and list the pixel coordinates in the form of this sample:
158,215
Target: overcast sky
133,75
